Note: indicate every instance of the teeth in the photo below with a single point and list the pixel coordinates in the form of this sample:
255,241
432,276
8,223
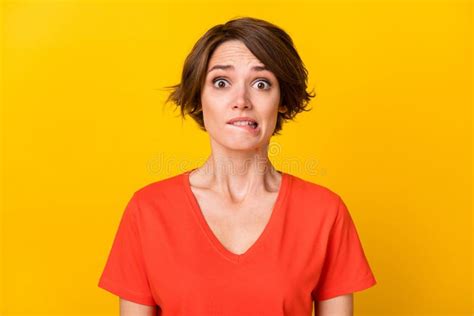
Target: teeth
243,123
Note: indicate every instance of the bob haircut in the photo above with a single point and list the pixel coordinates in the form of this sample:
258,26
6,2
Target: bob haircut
269,43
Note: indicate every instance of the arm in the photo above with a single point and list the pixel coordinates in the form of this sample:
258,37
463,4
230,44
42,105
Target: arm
128,308
337,306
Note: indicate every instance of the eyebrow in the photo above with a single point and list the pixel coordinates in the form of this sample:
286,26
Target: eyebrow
225,67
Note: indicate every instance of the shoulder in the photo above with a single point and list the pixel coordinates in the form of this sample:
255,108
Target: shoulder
164,189
315,203
310,192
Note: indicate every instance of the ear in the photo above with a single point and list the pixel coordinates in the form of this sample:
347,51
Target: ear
282,109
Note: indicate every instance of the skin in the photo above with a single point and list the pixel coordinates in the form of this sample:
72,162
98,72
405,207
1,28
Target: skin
128,308
238,166
342,305
238,176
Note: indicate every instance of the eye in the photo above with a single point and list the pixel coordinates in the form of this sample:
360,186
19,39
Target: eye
220,83
263,84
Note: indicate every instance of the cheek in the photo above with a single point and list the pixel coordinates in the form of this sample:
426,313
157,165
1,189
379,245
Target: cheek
270,111
211,111
209,99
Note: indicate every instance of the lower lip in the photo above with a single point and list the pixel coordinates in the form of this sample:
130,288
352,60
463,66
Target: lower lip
247,128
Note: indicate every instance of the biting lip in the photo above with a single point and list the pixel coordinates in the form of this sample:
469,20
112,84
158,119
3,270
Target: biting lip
247,128
242,118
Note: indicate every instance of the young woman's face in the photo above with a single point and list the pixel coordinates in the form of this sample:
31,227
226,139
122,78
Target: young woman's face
238,85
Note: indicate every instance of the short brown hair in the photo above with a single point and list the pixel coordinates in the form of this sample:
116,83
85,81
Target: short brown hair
269,43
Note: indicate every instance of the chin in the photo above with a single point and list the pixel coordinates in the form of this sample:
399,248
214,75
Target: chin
243,145
243,148
237,143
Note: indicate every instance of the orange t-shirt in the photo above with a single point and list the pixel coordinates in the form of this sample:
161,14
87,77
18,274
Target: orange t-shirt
164,253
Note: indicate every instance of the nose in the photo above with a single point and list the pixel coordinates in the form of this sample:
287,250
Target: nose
242,99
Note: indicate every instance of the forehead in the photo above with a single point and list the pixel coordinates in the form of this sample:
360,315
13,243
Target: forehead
232,52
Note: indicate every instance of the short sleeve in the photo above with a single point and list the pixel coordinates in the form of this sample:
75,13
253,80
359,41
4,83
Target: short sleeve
345,269
124,273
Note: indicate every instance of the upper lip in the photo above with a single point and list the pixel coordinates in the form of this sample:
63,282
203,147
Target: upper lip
241,118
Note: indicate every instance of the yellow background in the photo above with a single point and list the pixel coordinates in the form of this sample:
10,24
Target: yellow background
83,125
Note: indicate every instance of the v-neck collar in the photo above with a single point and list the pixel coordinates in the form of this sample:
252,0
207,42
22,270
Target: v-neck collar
237,258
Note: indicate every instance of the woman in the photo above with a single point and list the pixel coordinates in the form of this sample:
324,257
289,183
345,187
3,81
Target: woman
236,236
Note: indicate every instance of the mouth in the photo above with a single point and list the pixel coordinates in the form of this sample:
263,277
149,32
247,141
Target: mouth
250,126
